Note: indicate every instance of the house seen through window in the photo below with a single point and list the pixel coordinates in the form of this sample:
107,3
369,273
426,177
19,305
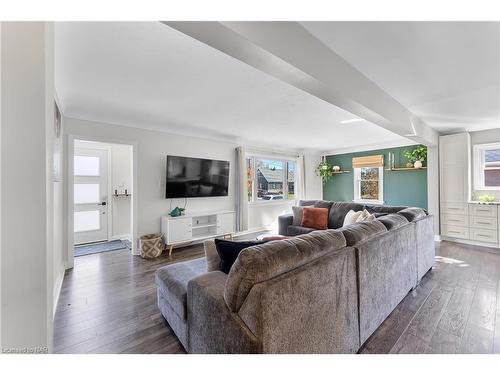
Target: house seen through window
270,179
487,166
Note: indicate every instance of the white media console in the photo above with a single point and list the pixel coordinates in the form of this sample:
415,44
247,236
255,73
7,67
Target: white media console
196,226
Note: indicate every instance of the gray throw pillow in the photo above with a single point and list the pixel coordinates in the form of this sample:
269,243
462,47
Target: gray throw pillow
211,255
297,215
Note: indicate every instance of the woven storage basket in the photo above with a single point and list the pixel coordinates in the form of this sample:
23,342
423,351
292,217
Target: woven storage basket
151,245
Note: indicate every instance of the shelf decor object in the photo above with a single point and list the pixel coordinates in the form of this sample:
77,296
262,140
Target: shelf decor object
124,194
393,168
417,156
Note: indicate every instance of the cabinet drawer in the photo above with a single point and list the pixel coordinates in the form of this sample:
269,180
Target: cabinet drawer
481,222
455,231
482,210
483,235
454,208
454,220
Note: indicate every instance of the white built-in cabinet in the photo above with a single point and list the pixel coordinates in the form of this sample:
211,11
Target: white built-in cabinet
454,170
462,218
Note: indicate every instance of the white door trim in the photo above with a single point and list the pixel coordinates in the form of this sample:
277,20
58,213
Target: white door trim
69,201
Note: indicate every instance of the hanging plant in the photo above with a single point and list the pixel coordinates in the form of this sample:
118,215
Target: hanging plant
324,170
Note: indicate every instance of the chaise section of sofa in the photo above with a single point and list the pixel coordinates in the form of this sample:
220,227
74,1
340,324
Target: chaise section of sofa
296,295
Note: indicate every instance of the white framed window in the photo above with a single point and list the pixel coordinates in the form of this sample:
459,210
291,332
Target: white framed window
369,185
270,179
487,166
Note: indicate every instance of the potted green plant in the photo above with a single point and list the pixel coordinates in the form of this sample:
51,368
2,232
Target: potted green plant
324,170
417,156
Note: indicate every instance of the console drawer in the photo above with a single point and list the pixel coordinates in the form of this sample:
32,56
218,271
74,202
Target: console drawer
454,208
481,222
455,231
454,220
482,210
483,235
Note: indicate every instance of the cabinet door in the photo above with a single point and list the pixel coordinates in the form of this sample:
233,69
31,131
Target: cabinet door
225,223
179,230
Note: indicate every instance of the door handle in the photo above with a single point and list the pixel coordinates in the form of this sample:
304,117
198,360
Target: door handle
102,204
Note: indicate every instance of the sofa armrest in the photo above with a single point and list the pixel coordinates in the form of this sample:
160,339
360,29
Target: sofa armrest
212,327
284,221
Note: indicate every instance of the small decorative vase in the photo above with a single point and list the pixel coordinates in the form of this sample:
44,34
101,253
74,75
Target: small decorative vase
417,164
175,212
336,168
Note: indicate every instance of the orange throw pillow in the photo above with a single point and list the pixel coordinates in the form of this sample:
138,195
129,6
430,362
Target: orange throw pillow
316,218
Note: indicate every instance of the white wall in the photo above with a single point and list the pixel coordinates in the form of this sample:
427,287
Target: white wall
476,138
152,149
26,194
120,179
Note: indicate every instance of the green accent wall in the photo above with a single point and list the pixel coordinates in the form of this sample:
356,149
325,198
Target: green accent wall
407,188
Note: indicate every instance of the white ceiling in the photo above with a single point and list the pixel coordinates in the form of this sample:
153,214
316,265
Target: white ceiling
446,73
147,75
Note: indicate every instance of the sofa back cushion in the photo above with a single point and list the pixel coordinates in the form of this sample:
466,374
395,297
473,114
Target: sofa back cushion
266,261
315,218
393,221
379,209
338,211
413,213
360,232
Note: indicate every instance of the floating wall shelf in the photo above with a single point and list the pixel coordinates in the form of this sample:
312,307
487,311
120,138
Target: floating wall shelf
395,169
340,172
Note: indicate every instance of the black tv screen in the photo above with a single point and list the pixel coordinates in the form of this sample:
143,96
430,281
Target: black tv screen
193,177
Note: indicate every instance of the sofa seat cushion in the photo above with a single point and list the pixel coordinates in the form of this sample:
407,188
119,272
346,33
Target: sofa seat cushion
393,221
259,263
338,212
296,230
413,213
359,232
172,281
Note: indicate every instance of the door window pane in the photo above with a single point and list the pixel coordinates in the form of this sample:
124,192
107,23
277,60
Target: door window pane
86,193
86,165
87,220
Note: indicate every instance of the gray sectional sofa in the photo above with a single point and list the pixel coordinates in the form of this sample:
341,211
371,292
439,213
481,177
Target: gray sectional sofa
324,291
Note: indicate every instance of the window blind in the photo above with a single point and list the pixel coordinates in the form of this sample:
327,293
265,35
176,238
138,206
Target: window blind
373,161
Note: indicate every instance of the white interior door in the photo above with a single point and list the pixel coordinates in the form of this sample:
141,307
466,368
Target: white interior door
90,195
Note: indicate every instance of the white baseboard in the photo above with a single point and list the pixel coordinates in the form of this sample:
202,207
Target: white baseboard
124,237
251,231
486,245
57,292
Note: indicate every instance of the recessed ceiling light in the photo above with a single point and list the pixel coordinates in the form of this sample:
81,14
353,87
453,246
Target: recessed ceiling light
351,120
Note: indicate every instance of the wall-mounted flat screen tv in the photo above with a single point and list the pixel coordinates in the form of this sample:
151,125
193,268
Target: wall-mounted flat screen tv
193,177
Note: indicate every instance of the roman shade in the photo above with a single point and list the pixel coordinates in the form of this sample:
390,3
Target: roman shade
368,161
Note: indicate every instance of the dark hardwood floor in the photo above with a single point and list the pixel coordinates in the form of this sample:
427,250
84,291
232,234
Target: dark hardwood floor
108,305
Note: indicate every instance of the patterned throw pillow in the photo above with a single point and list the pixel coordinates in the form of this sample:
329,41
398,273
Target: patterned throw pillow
351,217
315,218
